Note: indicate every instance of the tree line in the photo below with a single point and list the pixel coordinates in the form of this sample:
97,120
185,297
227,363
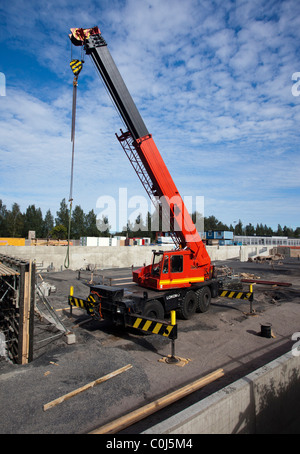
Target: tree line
212,223
15,224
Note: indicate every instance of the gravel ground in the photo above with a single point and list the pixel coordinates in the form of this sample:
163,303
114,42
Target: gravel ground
226,336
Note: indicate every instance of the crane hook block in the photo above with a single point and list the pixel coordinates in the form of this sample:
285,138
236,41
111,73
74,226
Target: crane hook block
76,66
79,35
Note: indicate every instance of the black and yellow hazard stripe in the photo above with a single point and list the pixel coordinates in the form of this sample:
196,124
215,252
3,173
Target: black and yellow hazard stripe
236,294
80,302
153,326
76,66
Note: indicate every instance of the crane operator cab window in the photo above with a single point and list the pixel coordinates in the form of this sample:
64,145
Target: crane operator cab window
176,264
165,268
156,264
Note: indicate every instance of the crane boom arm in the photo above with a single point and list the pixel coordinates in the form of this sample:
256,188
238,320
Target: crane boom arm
152,167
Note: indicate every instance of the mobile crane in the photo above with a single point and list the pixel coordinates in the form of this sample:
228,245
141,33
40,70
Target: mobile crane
182,279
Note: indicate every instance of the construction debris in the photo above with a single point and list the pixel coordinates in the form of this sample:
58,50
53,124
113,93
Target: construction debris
223,270
266,258
47,288
248,276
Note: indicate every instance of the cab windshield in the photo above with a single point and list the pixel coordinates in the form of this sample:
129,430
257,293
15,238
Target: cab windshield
156,264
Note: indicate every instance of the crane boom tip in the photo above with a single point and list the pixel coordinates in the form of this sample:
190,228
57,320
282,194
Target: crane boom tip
79,35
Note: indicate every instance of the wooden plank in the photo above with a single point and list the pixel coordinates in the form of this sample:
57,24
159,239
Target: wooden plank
25,319
141,413
31,310
61,399
82,322
21,287
26,316
259,281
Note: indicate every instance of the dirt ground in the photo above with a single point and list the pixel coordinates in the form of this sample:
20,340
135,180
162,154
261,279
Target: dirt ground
227,336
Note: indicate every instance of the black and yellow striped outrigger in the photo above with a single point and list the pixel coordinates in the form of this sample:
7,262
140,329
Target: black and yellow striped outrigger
152,326
144,324
88,304
236,294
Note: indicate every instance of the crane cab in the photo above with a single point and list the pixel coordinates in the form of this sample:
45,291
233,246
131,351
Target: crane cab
171,269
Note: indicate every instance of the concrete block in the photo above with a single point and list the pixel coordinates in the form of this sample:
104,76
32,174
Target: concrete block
70,338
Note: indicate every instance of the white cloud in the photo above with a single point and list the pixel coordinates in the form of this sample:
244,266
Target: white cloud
213,85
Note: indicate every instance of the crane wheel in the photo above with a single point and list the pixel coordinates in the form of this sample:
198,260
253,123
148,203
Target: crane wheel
203,295
189,305
154,309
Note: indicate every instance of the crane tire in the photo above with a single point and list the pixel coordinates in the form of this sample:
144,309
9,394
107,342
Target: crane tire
154,309
189,305
203,295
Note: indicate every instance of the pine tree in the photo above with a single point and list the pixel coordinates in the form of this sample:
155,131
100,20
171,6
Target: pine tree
297,232
48,224
103,226
139,226
33,220
90,224
238,230
63,215
279,230
3,219
288,231
250,229
211,223
77,223
14,222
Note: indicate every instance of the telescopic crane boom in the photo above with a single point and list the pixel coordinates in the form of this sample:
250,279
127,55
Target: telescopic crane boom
190,263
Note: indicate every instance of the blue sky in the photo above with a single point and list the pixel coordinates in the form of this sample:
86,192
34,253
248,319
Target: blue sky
212,80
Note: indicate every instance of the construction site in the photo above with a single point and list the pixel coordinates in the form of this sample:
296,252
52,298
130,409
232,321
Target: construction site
248,346
196,338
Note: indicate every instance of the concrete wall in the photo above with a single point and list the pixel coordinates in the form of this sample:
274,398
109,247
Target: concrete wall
81,256
264,402
293,251
115,256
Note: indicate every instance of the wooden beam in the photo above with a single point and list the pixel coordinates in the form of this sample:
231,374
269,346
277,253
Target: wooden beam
61,399
25,312
141,413
25,320
259,281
